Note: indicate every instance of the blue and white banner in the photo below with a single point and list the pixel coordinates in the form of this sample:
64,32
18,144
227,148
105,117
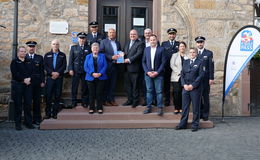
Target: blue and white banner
243,46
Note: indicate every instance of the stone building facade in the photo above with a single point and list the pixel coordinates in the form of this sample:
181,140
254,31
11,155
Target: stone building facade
217,20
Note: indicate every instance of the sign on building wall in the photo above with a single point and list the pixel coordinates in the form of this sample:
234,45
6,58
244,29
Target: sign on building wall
59,27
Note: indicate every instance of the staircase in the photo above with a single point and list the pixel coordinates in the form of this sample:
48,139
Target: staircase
116,117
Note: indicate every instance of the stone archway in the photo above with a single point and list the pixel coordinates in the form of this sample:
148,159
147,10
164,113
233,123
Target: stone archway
174,14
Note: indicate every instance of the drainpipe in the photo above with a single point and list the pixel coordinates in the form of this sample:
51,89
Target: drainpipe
14,54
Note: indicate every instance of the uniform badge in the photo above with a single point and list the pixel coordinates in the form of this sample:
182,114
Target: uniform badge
61,56
195,66
205,57
86,50
49,55
37,64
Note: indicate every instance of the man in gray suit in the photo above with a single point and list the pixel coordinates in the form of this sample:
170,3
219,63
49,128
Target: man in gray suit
133,60
110,47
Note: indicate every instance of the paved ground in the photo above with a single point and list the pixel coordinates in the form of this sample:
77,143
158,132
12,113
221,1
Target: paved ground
238,138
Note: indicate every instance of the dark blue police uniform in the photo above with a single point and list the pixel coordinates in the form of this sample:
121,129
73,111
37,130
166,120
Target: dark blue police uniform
207,57
76,64
191,74
170,49
22,93
54,86
38,77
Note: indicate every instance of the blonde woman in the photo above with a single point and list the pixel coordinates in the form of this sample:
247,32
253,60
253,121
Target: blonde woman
176,63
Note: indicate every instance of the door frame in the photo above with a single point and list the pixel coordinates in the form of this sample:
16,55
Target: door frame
156,15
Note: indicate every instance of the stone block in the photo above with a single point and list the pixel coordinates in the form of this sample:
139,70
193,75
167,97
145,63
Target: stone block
82,2
205,4
70,12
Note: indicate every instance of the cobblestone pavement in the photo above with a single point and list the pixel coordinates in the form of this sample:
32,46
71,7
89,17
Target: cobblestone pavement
237,138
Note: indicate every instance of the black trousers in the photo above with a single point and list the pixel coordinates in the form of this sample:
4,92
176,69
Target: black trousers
76,78
131,86
142,85
193,96
204,110
167,83
23,102
53,94
110,83
36,97
96,89
177,95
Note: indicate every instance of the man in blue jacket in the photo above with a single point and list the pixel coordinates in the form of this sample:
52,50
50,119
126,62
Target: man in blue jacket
153,64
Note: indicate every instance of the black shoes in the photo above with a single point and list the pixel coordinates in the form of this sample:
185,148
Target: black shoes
18,127
144,104
179,128
205,119
194,129
47,116
160,112
134,105
54,116
36,123
127,103
166,104
85,105
147,111
29,126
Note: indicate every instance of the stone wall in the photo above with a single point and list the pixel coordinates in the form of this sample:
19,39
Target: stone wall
218,21
34,18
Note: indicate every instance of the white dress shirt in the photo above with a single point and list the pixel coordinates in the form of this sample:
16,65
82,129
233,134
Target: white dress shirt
153,51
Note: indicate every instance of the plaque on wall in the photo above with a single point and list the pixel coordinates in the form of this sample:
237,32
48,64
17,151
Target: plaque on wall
59,27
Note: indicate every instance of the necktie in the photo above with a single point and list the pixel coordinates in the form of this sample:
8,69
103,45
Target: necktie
191,62
82,47
172,43
131,43
199,52
54,59
31,57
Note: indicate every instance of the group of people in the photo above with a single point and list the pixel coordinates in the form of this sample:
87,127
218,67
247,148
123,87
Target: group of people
149,68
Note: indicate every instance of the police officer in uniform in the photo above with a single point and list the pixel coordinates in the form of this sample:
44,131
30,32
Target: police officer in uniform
77,57
191,79
38,80
94,35
207,57
54,64
171,47
22,90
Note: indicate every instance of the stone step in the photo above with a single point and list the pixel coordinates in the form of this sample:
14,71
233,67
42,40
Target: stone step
118,109
87,124
117,116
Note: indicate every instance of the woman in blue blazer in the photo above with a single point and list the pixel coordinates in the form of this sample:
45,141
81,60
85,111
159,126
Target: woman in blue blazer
95,66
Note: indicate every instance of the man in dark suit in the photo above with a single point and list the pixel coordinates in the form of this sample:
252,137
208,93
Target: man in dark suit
38,80
111,48
54,64
191,77
94,35
153,64
207,57
133,60
171,47
77,57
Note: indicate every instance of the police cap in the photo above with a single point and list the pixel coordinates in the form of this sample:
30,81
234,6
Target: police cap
31,43
200,39
93,24
81,35
171,30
